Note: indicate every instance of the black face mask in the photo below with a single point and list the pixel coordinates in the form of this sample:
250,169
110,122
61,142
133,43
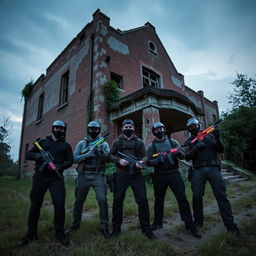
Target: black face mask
159,134
93,135
128,132
194,131
58,134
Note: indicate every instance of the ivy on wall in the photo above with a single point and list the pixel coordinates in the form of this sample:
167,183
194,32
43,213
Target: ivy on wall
111,94
26,90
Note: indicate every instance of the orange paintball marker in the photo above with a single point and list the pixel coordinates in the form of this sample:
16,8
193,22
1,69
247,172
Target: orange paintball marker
207,131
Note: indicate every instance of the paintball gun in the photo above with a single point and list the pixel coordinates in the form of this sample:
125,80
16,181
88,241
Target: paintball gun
95,143
209,130
47,158
132,161
172,151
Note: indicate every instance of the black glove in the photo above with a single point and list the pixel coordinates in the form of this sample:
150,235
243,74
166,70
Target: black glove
178,153
200,144
38,156
161,159
58,167
100,148
216,133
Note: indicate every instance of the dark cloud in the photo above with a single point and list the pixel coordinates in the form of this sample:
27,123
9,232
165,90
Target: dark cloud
209,41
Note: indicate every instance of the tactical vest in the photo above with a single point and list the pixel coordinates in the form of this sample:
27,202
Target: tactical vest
168,164
131,149
94,163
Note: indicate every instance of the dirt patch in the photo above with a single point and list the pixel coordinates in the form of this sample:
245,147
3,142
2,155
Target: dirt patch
180,239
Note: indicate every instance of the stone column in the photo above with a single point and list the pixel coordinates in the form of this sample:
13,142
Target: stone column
149,117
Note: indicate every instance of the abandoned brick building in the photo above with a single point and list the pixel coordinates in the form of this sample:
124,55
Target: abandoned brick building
150,86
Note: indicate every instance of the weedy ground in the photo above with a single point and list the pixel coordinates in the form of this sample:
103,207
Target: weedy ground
172,239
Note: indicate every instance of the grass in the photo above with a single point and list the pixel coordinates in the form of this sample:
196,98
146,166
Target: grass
14,207
227,244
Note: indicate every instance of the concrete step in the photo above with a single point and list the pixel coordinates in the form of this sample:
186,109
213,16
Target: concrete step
228,173
230,176
237,180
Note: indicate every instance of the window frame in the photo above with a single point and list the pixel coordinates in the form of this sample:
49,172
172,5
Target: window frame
154,51
156,83
64,86
117,78
40,107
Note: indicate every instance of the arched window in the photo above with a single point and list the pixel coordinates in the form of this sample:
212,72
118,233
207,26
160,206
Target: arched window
152,47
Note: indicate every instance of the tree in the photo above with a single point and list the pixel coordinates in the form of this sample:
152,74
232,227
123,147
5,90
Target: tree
6,163
239,129
244,92
239,137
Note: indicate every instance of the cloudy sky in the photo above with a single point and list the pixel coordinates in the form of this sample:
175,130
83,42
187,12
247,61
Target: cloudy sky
209,41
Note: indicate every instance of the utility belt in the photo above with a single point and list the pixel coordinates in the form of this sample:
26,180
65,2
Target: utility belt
93,168
93,171
205,163
166,168
167,171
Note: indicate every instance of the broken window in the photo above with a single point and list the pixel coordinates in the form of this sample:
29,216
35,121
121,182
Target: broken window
150,78
118,79
64,88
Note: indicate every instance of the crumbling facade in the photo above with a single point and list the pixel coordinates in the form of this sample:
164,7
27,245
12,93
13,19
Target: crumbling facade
150,86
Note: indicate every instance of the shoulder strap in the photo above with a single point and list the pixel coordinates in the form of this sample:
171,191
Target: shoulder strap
136,147
154,146
171,142
120,144
136,144
86,143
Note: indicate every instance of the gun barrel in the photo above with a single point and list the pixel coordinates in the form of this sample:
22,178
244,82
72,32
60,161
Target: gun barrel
95,143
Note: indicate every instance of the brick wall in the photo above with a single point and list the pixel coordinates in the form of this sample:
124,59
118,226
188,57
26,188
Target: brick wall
121,52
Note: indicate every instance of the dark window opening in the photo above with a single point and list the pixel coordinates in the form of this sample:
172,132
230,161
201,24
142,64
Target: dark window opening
40,107
64,88
150,78
152,48
26,150
118,79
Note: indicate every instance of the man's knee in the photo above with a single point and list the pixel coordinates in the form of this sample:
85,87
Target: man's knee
102,201
142,201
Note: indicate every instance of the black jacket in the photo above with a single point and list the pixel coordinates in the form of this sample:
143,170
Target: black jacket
206,152
60,150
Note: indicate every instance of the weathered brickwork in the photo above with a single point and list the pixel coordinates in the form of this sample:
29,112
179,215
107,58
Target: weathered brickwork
90,58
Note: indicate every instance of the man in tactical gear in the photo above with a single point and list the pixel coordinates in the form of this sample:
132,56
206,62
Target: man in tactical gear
206,167
91,168
167,175
129,143
46,178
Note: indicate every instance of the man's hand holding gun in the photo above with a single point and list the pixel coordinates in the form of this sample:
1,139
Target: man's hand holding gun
47,160
131,161
90,151
162,156
211,129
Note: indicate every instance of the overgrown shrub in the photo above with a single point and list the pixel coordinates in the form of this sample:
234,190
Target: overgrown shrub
111,94
239,137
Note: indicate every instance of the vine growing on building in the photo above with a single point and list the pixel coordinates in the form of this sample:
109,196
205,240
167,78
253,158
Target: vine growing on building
26,90
111,94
